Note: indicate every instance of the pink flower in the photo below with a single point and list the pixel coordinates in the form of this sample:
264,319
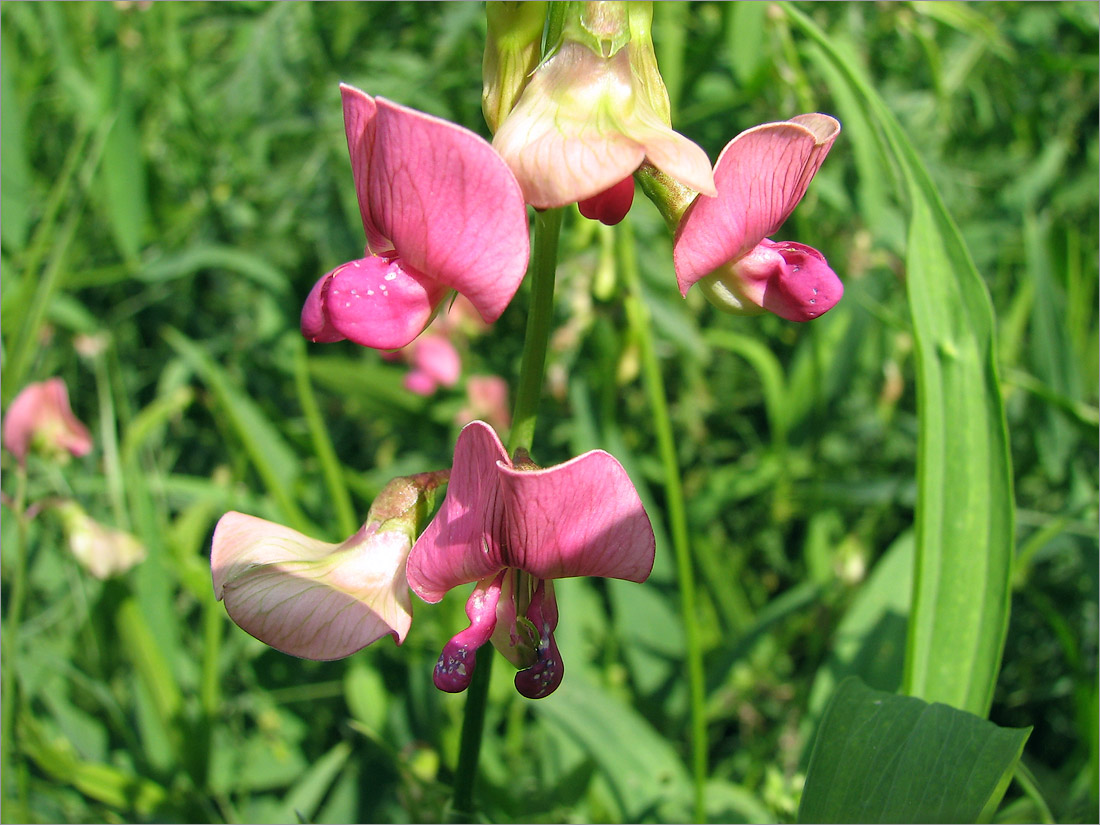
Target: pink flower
318,600
761,176
435,363
513,528
586,122
103,551
487,399
40,418
441,211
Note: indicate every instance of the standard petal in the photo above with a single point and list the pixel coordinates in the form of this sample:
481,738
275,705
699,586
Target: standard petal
449,205
761,176
462,543
376,302
359,112
306,597
581,518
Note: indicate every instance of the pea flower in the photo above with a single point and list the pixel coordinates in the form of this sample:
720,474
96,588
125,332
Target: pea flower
441,211
722,242
318,600
513,528
101,550
592,113
40,418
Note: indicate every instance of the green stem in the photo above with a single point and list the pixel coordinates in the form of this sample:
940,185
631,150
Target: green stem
11,634
639,319
544,262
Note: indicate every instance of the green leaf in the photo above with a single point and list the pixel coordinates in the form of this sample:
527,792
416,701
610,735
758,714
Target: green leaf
644,772
886,758
273,459
965,512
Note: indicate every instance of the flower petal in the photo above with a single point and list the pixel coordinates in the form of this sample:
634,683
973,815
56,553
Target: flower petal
456,664
462,543
41,415
581,518
583,125
437,357
805,287
359,113
449,204
761,176
306,597
376,302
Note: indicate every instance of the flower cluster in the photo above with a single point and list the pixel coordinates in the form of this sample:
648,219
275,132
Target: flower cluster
444,210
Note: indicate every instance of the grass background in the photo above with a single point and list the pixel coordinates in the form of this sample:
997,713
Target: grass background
175,178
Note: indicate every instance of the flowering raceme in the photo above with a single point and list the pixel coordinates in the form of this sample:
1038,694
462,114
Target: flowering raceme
513,528
761,176
441,211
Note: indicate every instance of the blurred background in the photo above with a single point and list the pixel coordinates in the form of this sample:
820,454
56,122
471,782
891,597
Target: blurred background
174,180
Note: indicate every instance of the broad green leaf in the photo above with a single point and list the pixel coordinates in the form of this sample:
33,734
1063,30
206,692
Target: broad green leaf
15,175
645,774
880,757
123,180
965,512
303,800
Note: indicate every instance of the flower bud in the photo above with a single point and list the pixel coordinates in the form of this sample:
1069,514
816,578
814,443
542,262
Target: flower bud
512,47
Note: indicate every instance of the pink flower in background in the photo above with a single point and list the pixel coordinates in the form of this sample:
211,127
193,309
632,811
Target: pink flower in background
435,363
441,211
40,418
314,599
101,550
513,528
487,400
761,176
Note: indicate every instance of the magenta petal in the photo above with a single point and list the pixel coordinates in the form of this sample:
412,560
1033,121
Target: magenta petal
462,543
805,287
581,518
376,302
761,176
449,205
455,667
315,324
610,206
545,675
359,113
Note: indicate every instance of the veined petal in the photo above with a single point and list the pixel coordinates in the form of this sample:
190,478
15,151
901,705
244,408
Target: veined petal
377,302
449,205
582,126
581,518
761,176
310,598
462,543
359,113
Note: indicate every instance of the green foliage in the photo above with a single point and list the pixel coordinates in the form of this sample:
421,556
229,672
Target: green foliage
175,178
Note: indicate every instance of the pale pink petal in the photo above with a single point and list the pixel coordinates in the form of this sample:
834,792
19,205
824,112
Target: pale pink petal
455,667
359,112
462,543
40,414
306,597
583,125
761,176
437,357
581,518
101,550
449,205
376,302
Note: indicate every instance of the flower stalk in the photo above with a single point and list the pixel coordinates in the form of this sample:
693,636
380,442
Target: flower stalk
641,328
